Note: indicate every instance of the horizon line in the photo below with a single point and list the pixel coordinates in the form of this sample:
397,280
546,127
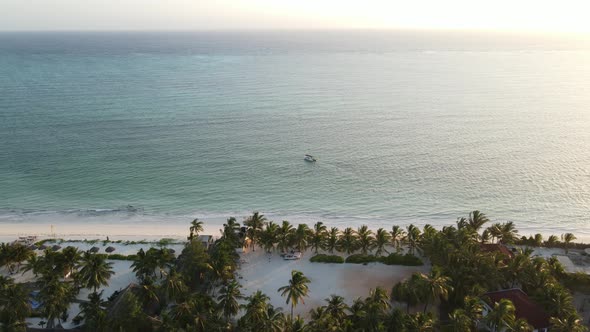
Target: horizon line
367,29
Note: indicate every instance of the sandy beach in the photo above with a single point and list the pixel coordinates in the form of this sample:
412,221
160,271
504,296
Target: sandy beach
268,272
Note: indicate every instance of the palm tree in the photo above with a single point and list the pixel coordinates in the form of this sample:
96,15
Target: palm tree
495,231
558,299
397,236
70,258
273,320
567,238
300,237
255,223
195,229
420,322
474,310
412,237
296,290
332,240
56,297
230,231
163,259
552,241
318,235
459,321
173,285
509,233
14,305
34,264
268,236
538,240
520,325
477,220
436,286
255,307
148,293
19,253
95,271
409,291
365,238
502,315
336,307
348,241
571,323
94,313
382,238
285,236
228,299
144,264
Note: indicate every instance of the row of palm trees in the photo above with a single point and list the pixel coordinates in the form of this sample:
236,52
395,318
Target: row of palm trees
272,236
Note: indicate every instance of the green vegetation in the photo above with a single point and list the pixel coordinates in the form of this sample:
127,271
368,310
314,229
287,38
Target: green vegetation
199,289
323,258
577,282
391,259
397,259
119,257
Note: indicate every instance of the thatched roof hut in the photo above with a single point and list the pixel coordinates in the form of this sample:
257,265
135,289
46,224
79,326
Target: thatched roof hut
55,247
94,249
42,247
110,249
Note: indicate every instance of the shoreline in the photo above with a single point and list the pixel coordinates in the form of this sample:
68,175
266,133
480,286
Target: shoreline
176,229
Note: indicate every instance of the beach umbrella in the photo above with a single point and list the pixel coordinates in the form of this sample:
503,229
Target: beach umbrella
94,249
172,251
110,249
33,247
55,247
42,247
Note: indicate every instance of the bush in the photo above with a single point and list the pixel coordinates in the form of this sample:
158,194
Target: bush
397,259
120,257
322,258
361,259
392,259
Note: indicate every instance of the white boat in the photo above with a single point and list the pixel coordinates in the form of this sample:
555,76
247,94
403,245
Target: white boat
309,158
293,256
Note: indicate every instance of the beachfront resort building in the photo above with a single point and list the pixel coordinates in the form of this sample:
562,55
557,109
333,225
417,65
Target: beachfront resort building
534,314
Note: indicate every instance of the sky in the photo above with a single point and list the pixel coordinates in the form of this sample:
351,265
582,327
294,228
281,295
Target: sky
510,15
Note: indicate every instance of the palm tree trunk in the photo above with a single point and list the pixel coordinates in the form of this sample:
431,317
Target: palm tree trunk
291,311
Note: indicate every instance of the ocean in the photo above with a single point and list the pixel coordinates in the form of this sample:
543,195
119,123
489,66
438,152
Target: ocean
407,126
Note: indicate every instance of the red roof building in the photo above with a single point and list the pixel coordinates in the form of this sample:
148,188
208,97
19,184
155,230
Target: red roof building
525,307
496,247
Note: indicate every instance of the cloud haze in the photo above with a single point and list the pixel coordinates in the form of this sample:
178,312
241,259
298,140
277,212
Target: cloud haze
541,15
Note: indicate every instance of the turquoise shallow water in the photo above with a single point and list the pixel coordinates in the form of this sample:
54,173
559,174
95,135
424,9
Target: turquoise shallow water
406,128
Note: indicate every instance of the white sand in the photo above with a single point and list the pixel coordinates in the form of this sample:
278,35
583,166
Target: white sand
348,280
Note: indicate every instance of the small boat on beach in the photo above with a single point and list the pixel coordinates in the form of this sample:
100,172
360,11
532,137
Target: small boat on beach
292,256
309,158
